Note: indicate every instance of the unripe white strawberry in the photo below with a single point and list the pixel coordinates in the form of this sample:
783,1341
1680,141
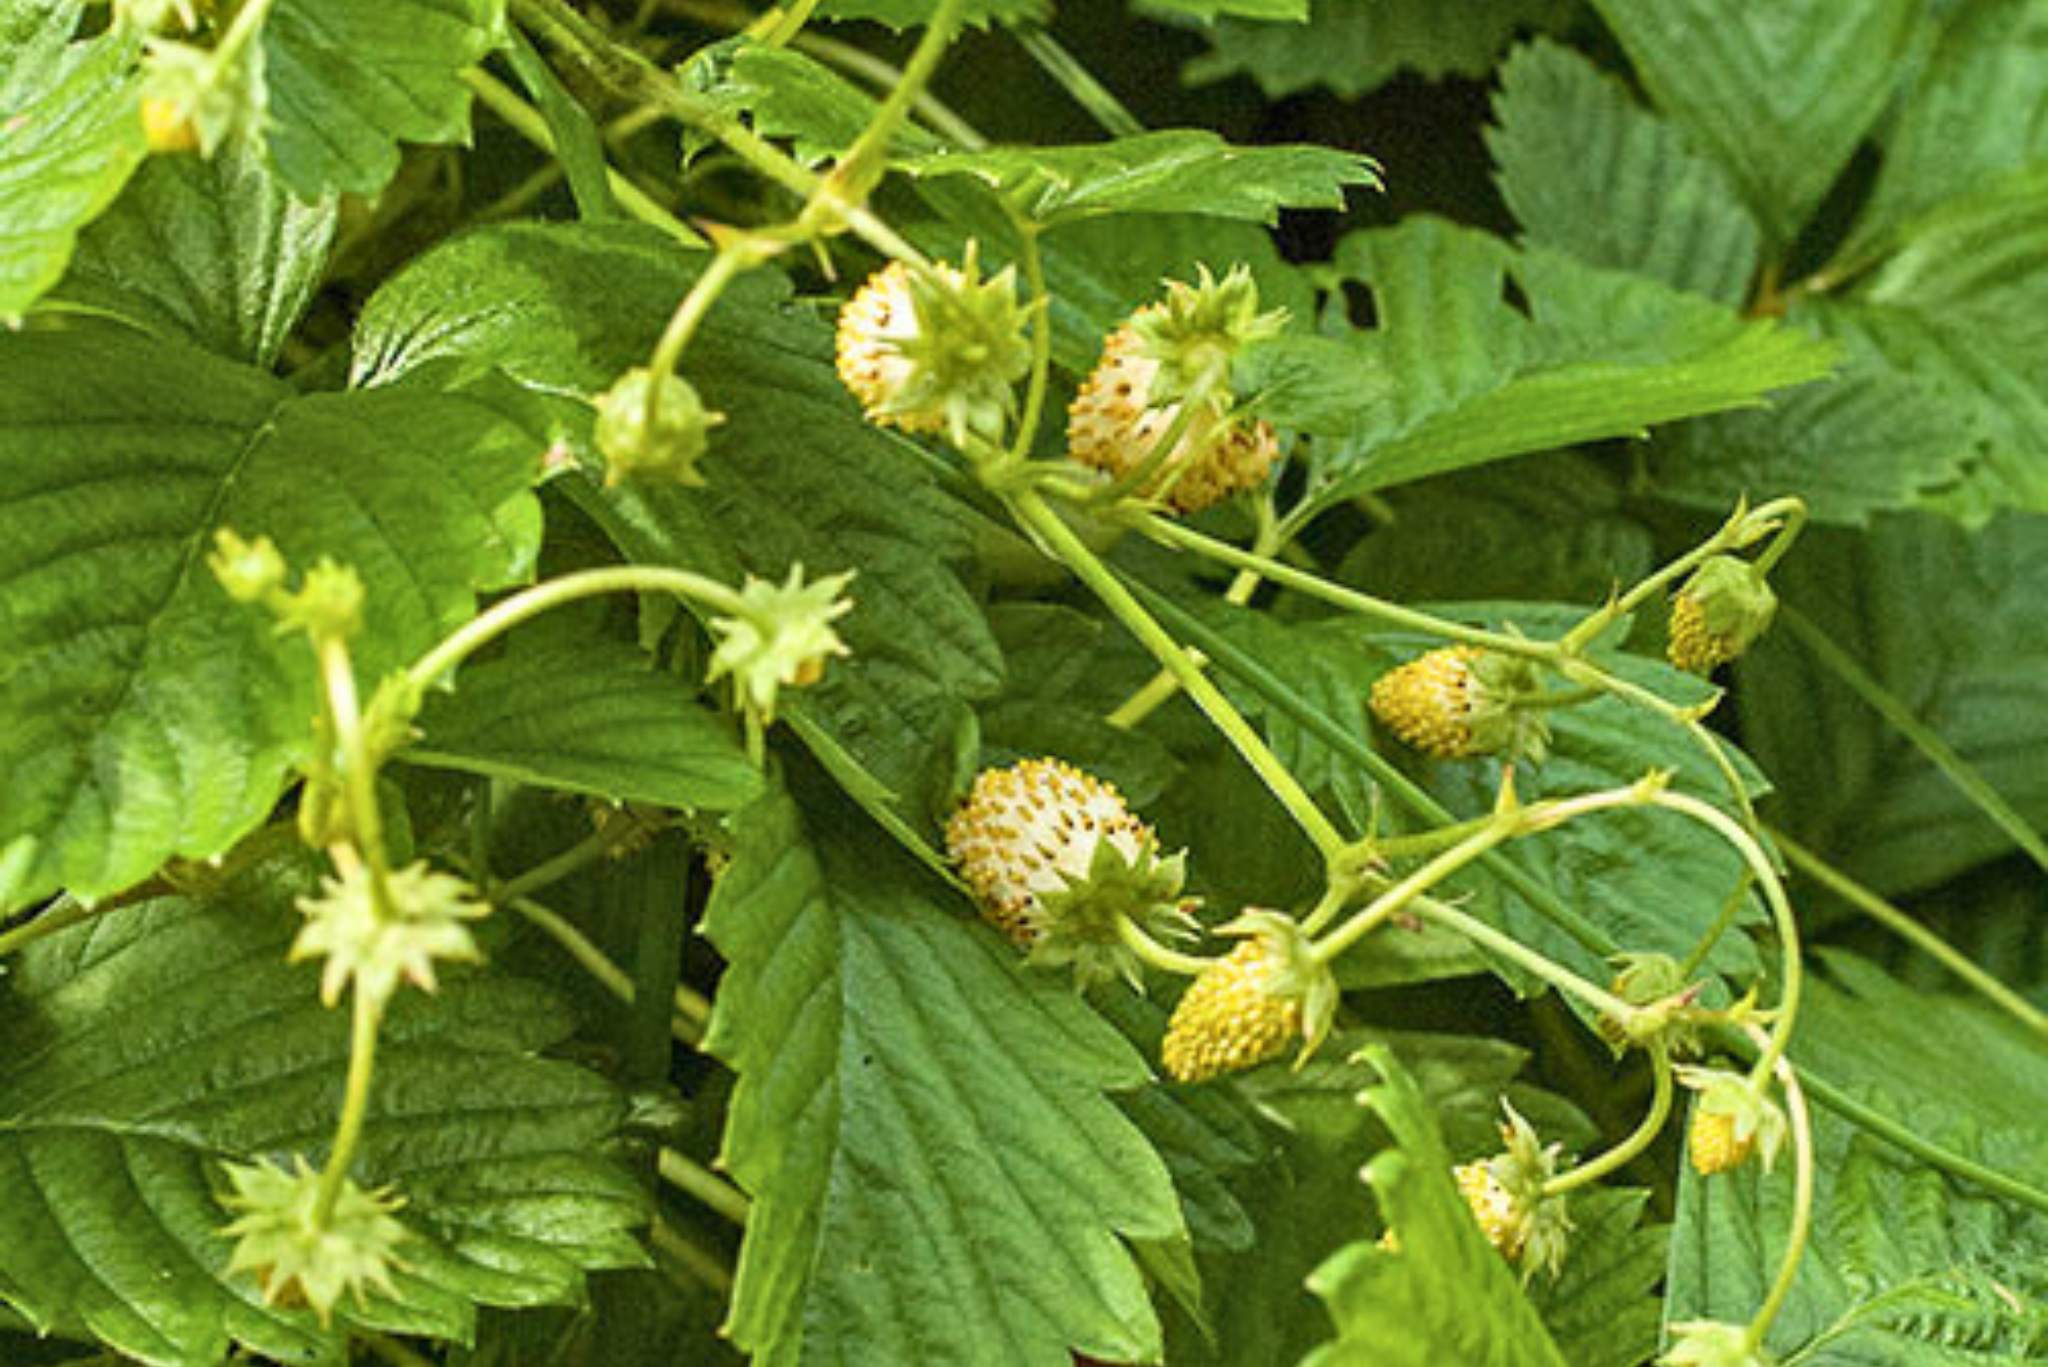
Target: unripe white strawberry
937,350
1055,860
1114,427
1493,1207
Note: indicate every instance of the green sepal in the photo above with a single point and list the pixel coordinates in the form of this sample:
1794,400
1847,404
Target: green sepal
968,352
1736,601
1081,921
1295,972
1201,328
1503,719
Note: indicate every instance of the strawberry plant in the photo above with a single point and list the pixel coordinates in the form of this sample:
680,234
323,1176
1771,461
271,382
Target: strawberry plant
1215,682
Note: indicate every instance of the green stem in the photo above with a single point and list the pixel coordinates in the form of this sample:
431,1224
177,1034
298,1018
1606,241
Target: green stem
355,1105
1500,827
1054,533
1639,1139
1731,535
1159,956
1938,751
658,885
1041,340
391,1350
692,1011
523,119
555,868
730,260
1910,930
792,23
1590,936
507,613
698,1262
248,21
692,1178
68,912
1508,947
1731,906
864,160
1336,894
1169,532
1078,81
1781,912
1892,1132
1802,1204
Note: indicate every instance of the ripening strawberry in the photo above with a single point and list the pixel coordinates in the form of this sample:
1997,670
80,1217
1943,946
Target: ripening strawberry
1114,426
1713,1143
1232,1016
1720,611
1459,701
1056,862
1501,1218
935,350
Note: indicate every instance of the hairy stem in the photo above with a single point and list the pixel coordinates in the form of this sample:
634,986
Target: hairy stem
1622,1154
1802,1200
355,1104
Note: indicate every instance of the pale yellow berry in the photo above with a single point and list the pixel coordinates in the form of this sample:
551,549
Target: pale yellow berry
1713,1144
1230,1019
873,328
1429,701
1500,1218
1112,426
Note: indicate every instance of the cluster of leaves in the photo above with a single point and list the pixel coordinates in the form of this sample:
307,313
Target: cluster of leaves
1722,250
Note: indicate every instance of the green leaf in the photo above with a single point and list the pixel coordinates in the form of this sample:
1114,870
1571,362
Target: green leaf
796,475
1606,1309
1873,439
1980,259
73,137
788,95
579,145
1351,47
1452,375
133,1075
1180,170
587,716
1780,94
1590,172
1976,112
1949,622
143,713
348,80
935,1172
1906,1267
902,14
1445,1289
1998,413
217,253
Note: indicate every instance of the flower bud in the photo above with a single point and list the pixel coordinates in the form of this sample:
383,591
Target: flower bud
248,570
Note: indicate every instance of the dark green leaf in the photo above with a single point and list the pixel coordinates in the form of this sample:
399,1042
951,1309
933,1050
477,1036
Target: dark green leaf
1606,1309
72,138
133,1075
348,80
918,1123
900,14
1182,170
1590,172
1780,94
1949,623
216,253
579,145
788,95
1980,259
143,713
1354,46
590,716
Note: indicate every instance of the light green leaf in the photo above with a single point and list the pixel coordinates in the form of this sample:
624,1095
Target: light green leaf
788,95
1949,622
132,1076
1355,46
919,1123
1452,375
1590,172
1180,170
1906,1267
72,138
902,14
1780,93
795,476
1444,1290
1981,258
587,716
143,713
348,80
1979,109
217,253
